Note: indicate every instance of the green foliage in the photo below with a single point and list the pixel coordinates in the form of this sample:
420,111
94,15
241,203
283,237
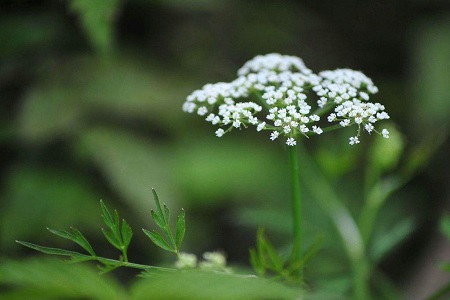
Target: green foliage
51,279
97,19
202,285
162,219
36,196
40,278
264,259
118,233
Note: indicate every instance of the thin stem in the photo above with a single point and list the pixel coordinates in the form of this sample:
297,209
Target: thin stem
296,207
129,264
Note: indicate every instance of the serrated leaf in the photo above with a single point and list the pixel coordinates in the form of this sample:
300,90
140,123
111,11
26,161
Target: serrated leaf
107,218
115,229
181,229
112,239
127,233
166,214
158,206
158,240
53,251
82,241
62,233
158,219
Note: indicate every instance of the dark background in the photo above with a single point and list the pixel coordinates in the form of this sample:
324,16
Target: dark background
91,95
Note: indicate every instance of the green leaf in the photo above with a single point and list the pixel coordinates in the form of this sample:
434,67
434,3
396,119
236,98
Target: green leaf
267,254
76,237
127,233
166,214
82,241
158,206
255,263
310,253
158,219
195,284
158,240
38,197
112,239
388,240
54,251
181,228
107,218
97,19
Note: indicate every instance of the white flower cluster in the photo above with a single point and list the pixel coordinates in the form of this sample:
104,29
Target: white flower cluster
286,88
212,261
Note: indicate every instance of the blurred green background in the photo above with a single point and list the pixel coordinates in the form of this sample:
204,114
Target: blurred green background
91,95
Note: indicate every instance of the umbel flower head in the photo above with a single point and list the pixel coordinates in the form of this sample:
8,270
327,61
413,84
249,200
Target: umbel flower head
279,94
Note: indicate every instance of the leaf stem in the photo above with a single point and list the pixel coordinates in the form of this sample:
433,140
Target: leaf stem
296,208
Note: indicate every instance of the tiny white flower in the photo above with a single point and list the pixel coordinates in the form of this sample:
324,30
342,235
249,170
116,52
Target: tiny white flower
186,260
345,123
304,129
291,142
237,124
317,129
219,132
368,127
363,95
286,129
332,117
261,126
353,140
274,135
202,110
385,133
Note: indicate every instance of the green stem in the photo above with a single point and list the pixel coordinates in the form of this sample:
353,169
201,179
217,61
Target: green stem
296,207
130,265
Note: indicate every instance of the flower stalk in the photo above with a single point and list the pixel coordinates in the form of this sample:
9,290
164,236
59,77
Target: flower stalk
296,207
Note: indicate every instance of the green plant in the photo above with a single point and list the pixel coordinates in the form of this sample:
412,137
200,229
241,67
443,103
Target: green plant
118,233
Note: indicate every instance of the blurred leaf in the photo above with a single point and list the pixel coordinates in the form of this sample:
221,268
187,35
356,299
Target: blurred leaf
132,165
52,279
335,157
36,198
445,226
201,285
385,153
207,167
28,33
430,85
267,217
385,242
97,19
82,91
